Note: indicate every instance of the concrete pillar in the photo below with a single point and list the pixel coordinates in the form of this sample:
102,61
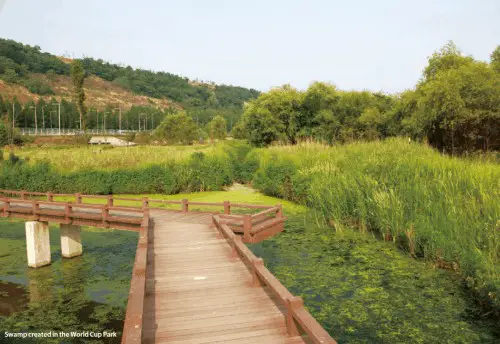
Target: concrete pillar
71,242
37,243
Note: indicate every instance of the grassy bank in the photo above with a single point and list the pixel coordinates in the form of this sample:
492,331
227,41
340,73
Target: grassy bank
441,208
167,170
106,158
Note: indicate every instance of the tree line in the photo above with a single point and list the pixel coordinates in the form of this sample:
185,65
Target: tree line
19,61
455,107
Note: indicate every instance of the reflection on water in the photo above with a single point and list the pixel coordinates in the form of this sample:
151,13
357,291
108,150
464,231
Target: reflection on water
86,293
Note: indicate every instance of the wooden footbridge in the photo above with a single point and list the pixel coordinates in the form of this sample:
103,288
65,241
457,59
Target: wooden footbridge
194,280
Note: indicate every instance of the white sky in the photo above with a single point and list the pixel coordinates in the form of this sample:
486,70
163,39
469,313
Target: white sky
375,45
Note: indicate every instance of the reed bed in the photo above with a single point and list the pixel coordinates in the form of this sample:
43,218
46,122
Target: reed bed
71,159
442,208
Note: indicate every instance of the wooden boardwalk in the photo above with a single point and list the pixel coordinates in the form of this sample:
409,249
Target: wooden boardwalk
194,280
198,292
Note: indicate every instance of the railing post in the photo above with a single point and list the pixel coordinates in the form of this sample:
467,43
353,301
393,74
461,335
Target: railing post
145,214
50,197
279,213
247,226
145,203
292,303
6,203
185,205
67,212
227,207
110,200
78,197
35,209
259,262
105,214
23,194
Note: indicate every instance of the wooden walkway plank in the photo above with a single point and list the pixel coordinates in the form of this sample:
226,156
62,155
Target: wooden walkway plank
198,293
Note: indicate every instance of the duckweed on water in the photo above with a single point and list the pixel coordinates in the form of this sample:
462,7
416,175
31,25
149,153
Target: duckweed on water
360,289
363,290
86,293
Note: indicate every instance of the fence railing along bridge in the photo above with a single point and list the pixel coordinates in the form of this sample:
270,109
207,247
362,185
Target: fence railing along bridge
194,280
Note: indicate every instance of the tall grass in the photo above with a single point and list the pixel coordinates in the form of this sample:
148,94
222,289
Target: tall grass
175,170
446,209
71,159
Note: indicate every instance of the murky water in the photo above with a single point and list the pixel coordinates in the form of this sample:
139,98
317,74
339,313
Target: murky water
87,293
363,290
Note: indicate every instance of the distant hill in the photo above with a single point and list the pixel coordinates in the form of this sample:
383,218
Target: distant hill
28,73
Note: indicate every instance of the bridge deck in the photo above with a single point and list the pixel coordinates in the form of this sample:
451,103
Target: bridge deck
196,292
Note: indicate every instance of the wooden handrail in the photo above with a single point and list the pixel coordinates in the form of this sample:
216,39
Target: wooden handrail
132,329
265,213
164,201
296,313
64,212
111,198
250,206
264,226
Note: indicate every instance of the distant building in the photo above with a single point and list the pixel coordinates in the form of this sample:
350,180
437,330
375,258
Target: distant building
110,140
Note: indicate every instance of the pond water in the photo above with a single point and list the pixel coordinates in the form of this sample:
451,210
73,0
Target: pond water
361,289
87,293
364,290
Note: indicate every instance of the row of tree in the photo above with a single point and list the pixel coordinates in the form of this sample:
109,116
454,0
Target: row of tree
182,128
455,106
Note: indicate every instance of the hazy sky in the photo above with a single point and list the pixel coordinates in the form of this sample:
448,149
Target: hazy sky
375,45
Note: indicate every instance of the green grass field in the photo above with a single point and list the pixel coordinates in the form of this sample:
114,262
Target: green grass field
70,159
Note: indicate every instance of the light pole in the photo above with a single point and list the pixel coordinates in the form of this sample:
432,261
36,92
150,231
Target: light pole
120,120
51,119
104,121
145,122
59,112
36,122
97,114
43,117
13,116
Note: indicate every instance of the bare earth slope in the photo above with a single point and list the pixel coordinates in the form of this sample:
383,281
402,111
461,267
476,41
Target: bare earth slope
99,93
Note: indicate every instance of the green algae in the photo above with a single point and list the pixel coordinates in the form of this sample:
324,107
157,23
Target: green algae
361,289
87,293
364,290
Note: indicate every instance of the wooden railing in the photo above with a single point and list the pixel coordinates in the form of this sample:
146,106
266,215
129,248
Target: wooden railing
253,227
298,319
132,328
95,215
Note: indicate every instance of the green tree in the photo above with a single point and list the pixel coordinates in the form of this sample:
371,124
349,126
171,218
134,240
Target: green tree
283,104
260,127
459,110
78,78
495,59
217,128
177,128
448,57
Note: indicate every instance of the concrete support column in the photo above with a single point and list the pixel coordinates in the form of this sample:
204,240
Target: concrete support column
71,242
37,243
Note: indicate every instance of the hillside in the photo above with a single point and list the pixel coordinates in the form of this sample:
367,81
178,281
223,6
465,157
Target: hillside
28,73
100,93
